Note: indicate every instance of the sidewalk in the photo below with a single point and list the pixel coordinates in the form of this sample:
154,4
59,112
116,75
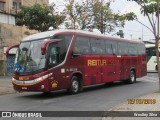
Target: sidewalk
152,103
6,85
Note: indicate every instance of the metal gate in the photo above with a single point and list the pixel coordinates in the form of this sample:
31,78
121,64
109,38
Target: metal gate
10,64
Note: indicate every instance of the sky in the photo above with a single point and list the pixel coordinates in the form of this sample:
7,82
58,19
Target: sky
132,29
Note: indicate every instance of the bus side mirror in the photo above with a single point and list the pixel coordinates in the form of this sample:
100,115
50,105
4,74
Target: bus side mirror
9,48
46,43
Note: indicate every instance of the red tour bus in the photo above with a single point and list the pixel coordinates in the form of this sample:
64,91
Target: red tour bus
72,59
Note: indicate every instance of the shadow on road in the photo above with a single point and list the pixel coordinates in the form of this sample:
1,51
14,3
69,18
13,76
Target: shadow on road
63,93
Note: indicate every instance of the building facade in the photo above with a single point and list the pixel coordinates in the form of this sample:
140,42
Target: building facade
10,34
9,8
12,6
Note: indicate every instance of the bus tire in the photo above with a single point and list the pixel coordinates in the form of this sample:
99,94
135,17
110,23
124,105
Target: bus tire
75,85
132,77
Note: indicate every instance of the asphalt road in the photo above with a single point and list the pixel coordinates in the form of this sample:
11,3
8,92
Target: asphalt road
97,98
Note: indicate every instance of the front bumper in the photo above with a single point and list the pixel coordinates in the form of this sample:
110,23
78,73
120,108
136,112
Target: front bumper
38,84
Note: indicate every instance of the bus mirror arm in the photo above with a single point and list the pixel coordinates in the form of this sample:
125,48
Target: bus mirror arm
9,48
46,43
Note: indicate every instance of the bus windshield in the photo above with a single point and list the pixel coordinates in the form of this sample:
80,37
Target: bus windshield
29,58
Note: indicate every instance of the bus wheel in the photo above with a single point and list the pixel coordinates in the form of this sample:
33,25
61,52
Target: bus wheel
132,77
75,85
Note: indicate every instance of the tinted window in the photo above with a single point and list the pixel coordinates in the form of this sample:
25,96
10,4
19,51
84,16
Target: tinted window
122,48
141,49
53,57
63,45
81,45
67,39
151,51
114,47
109,50
97,46
132,49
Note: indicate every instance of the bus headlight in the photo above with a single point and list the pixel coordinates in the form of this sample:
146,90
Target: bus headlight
42,78
13,79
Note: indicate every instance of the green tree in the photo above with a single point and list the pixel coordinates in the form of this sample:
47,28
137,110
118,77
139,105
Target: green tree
38,17
73,10
150,9
105,19
89,14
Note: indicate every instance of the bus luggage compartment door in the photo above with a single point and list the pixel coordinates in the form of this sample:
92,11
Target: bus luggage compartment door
108,68
92,70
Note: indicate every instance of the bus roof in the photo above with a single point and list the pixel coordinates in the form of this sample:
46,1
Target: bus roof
149,45
51,33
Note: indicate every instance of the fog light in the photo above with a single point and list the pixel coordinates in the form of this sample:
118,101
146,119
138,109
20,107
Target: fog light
42,86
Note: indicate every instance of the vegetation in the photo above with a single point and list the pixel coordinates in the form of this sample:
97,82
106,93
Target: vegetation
38,17
91,14
150,9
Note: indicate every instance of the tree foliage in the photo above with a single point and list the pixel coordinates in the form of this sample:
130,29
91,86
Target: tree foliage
89,14
37,17
151,9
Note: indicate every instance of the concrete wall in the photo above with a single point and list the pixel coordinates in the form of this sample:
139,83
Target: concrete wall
2,68
8,8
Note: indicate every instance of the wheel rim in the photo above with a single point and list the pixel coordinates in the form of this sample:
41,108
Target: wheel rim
75,86
132,76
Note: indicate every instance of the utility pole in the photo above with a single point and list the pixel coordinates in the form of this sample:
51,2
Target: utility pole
142,32
131,36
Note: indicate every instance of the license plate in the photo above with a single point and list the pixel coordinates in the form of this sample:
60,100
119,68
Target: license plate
24,88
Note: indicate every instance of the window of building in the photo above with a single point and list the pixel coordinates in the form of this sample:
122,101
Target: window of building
2,6
20,4
14,5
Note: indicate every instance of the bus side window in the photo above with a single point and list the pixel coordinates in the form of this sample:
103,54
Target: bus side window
142,50
132,49
97,46
63,44
139,49
108,48
81,45
151,51
54,58
122,48
114,48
